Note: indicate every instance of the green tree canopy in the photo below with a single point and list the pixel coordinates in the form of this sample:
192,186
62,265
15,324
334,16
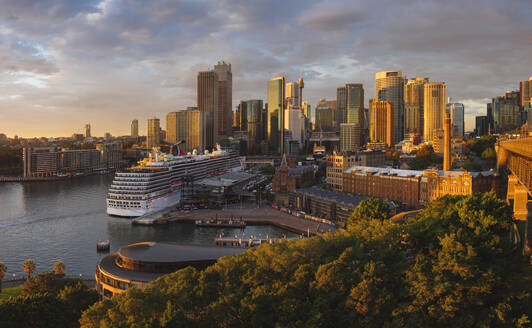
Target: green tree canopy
373,208
47,283
489,153
472,166
41,310
267,169
452,265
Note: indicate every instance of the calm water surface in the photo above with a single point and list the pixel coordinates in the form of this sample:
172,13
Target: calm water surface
63,220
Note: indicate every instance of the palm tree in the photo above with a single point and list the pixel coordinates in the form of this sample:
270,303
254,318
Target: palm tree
29,267
3,270
59,268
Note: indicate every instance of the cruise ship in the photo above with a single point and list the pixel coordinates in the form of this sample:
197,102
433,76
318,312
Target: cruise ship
154,184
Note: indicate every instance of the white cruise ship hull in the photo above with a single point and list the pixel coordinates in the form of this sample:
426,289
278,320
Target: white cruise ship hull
150,206
155,185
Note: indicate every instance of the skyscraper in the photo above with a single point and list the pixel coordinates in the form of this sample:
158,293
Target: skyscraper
434,107
381,121
414,112
306,109
185,125
87,129
294,122
340,105
208,89
456,110
525,88
506,111
276,91
481,125
350,136
354,103
324,116
153,135
225,98
251,121
292,93
135,128
389,86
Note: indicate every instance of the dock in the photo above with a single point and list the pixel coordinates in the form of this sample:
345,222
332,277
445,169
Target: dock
254,216
222,241
221,223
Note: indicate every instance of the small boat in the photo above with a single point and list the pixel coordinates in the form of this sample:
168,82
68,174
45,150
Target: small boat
221,223
103,246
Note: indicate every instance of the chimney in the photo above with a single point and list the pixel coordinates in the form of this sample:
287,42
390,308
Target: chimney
447,143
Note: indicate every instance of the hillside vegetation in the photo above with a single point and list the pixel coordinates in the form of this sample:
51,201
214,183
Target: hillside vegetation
452,266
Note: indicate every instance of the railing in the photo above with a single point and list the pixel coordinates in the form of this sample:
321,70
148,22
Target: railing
519,159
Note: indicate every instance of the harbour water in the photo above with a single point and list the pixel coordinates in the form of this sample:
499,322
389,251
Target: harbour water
63,220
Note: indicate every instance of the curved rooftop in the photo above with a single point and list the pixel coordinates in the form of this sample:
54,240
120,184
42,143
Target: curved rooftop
167,252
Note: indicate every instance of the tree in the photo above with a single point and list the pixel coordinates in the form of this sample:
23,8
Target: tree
29,267
47,282
77,298
424,158
472,166
267,169
373,208
489,154
3,270
452,265
41,310
425,152
59,268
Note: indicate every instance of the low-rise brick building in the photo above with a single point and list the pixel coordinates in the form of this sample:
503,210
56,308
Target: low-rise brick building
413,189
401,186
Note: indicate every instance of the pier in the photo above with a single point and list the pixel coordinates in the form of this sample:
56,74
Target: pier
221,223
253,216
222,241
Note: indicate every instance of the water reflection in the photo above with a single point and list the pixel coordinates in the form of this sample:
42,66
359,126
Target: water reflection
48,221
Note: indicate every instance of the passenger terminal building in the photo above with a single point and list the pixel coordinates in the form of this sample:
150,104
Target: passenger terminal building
138,264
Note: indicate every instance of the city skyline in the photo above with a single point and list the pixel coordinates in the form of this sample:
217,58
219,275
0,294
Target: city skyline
97,63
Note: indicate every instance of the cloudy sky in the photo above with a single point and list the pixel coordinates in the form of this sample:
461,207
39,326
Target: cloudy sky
64,63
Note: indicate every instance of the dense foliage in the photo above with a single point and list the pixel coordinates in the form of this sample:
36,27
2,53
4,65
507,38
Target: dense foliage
267,170
47,282
47,300
472,166
10,160
453,265
425,157
481,144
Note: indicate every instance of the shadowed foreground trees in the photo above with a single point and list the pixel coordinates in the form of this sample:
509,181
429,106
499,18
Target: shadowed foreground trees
450,266
3,270
47,300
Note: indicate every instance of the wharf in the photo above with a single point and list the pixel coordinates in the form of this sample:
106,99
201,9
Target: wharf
221,223
242,242
253,216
